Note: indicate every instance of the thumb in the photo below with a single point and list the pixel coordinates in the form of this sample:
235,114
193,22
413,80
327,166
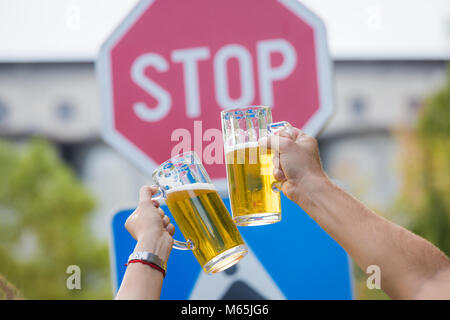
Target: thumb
145,194
279,174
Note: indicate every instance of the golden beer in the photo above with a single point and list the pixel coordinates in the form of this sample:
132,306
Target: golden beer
250,181
203,218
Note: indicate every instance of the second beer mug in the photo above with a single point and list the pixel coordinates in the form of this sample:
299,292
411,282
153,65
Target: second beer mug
199,212
254,192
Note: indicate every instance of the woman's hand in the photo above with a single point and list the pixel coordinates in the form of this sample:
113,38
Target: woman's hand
149,225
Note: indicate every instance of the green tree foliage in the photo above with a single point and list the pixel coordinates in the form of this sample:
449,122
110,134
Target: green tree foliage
45,227
425,196
423,203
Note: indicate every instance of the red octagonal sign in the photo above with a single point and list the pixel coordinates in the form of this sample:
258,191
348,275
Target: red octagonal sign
171,66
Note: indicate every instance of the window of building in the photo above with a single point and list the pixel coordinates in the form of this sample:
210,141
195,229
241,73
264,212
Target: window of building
358,107
65,111
3,112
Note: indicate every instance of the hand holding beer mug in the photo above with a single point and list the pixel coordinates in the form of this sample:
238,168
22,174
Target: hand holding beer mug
254,192
199,212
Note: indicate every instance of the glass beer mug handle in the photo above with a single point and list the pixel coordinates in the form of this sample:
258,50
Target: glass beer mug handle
158,195
179,245
274,128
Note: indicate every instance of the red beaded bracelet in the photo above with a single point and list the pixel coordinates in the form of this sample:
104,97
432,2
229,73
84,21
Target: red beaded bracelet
152,265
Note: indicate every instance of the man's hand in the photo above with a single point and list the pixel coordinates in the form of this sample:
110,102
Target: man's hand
411,267
150,226
297,164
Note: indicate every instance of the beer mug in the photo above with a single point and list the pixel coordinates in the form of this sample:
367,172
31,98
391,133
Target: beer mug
253,190
199,212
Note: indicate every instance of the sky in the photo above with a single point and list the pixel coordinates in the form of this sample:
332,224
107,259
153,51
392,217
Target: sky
73,30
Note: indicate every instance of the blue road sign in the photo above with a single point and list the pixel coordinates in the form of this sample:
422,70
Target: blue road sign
292,259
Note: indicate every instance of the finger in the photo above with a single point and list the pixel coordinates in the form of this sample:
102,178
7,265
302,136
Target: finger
297,134
161,213
285,134
166,221
154,189
293,134
156,203
170,229
145,194
276,162
278,171
279,174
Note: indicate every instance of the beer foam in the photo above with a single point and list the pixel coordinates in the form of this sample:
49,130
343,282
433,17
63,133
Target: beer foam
251,144
192,186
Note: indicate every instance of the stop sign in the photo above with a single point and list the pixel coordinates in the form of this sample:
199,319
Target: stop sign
171,66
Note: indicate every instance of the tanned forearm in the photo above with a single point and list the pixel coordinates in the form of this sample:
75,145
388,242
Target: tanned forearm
410,266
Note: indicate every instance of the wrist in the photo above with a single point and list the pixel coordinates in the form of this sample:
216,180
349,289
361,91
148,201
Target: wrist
154,245
310,189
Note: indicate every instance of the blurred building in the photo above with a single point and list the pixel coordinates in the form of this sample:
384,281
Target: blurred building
385,65
61,101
